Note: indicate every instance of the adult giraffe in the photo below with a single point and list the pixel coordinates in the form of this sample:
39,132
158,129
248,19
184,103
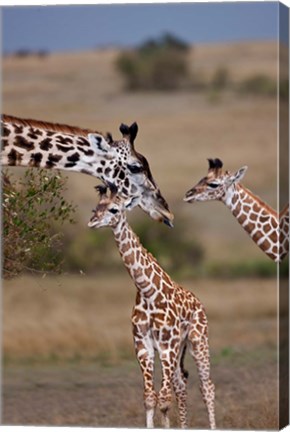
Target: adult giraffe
268,229
33,143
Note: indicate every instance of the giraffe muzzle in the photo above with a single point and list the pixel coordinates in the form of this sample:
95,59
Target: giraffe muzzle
168,222
189,196
93,224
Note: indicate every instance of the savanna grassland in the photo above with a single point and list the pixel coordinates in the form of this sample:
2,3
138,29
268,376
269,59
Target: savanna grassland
69,356
67,343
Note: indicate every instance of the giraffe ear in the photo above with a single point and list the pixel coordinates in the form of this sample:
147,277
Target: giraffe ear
98,143
129,132
133,129
238,175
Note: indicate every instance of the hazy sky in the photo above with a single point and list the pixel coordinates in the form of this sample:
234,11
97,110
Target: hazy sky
63,28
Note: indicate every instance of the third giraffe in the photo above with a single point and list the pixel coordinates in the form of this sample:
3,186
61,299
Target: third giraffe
267,229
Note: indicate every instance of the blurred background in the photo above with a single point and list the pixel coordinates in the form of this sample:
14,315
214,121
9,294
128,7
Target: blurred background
201,82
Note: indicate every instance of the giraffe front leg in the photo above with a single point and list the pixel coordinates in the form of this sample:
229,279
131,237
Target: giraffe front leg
165,394
145,356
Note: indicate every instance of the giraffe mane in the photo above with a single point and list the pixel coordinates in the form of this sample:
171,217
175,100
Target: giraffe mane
55,127
101,189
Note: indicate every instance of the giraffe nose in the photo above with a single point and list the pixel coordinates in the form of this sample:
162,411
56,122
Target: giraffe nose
189,195
168,222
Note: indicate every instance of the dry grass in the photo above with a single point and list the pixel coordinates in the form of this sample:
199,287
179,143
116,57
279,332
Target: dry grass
82,327
90,395
80,317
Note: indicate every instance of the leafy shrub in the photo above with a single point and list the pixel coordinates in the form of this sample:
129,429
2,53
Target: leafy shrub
30,207
159,64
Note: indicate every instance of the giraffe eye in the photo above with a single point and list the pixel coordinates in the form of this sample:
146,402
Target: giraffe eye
113,210
213,185
135,169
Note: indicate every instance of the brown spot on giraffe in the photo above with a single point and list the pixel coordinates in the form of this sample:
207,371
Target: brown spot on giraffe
36,159
14,157
22,142
45,144
5,131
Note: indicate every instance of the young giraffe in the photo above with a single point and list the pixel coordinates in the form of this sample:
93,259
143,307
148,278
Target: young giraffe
258,219
32,143
166,318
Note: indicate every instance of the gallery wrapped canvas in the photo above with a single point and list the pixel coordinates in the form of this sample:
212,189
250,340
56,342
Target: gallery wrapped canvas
145,166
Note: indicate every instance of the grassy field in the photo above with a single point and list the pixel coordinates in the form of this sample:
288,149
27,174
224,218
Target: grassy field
67,343
69,353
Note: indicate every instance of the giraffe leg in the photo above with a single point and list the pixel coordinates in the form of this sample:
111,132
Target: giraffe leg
165,395
199,349
145,356
179,386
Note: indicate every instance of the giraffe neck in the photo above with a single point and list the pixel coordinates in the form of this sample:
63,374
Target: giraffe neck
284,232
31,143
256,217
141,265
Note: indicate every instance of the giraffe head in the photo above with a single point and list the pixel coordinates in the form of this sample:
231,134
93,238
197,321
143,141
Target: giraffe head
216,185
40,144
110,209
129,171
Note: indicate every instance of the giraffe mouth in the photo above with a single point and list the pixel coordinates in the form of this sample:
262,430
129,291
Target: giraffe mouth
157,208
168,222
93,224
189,197
162,215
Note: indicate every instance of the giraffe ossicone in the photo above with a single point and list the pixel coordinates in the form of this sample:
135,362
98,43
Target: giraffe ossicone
268,229
33,143
166,318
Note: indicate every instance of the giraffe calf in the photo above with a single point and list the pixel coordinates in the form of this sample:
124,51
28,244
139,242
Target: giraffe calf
166,318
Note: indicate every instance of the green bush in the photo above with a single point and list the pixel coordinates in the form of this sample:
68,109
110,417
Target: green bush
30,207
159,64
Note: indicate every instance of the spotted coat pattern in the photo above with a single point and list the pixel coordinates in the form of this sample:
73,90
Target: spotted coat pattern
166,318
33,143
269,231
284,232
